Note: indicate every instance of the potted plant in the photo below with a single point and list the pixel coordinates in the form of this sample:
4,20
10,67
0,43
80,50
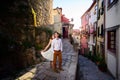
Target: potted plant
102,65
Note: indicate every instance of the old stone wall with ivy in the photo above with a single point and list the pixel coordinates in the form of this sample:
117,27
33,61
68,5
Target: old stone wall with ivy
43,9
17,32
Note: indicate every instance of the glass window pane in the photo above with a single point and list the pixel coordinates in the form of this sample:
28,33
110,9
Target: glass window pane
111,1
112,42
112,38
112,46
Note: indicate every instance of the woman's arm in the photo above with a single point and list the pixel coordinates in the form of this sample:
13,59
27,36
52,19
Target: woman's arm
48,45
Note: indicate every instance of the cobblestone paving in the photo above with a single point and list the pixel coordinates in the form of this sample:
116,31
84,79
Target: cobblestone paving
89,71
43,71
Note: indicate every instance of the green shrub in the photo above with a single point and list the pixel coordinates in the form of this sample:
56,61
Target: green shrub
39,30
26,44
88,55
38,47
98,58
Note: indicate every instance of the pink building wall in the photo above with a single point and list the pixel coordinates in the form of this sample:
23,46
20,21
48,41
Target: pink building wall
84,20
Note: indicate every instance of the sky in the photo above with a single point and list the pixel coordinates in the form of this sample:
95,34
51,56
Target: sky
73,9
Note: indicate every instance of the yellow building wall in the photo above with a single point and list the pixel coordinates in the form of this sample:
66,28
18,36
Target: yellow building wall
100,22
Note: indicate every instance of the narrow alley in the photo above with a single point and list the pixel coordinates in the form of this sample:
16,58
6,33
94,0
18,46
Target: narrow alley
87,70
89,30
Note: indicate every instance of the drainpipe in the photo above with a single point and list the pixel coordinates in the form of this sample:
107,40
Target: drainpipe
104,23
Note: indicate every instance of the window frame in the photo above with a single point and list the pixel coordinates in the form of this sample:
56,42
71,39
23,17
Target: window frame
95,9
98,14
110,4
98,31
102,30
102,8
113,50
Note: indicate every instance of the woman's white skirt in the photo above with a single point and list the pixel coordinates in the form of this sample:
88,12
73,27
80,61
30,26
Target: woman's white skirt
48,54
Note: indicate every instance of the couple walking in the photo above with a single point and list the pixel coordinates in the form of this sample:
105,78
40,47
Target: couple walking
54,52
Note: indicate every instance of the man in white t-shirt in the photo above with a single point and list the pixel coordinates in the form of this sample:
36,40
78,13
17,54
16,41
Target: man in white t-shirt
57,47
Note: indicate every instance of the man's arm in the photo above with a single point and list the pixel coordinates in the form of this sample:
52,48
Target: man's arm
61,45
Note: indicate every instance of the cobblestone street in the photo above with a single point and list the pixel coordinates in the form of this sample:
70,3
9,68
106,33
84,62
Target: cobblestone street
43,71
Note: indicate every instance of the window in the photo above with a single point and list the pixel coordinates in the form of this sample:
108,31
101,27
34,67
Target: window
95,9
94,39
112,41
98,31
89,14
87,28
102,4
86,17
102,31
111,3
102,8
95,26
98,17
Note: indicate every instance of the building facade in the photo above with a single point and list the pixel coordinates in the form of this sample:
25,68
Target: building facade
112,37
92,26
107,26
85,22
65,26
89,25
57,13
100,45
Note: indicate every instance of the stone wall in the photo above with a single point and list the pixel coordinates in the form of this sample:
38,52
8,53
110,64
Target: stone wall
43,10
17,32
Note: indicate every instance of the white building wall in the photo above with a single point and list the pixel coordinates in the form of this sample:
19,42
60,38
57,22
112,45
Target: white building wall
92,20
111,63
112,20
118,52
93,17
113,15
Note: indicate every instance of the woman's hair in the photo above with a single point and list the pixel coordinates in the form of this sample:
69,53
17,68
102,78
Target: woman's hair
52,36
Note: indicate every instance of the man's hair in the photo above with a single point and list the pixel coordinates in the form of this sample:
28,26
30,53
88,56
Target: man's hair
59,35
56,32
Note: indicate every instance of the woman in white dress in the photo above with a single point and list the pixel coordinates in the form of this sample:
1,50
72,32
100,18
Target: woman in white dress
49,53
